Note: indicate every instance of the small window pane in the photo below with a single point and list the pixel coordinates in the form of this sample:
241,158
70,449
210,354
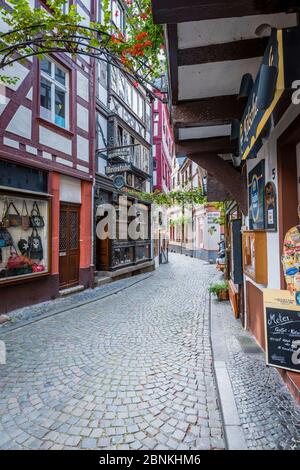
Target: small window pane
46,66
60,75
60,107
45,97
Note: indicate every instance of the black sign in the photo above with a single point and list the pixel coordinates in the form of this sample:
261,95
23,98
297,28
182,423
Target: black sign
278,70
283,338
270,207
118,168
256,182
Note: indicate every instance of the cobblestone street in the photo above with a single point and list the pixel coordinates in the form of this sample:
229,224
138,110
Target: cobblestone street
133,369
130,371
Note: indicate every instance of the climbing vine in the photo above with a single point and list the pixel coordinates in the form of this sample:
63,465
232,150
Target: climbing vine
173,198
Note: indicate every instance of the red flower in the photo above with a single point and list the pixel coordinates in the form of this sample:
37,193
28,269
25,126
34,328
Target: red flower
144,16
135,84
141,36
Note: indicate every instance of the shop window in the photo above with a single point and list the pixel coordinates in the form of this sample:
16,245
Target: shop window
54,93
24,237
142,252
123,256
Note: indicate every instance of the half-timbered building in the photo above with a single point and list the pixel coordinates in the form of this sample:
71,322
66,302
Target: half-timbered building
47,147
123,127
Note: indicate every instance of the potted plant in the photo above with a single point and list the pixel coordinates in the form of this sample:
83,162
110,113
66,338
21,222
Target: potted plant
220,290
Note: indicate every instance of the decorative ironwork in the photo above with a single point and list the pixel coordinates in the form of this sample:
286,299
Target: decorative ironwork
74,230
63,231
81,42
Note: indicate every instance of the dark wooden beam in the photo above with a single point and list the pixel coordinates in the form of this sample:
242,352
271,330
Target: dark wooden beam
226,174
208,145
208,111
235,50
178,11
172,47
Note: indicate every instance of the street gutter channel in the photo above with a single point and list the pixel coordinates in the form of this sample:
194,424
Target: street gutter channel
10,328
233,432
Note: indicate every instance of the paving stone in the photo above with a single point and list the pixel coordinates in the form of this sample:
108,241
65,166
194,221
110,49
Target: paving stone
138,379
88,443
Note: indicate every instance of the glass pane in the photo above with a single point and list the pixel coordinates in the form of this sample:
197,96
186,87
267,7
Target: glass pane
45,99
60,75
46,66
60,107
24,246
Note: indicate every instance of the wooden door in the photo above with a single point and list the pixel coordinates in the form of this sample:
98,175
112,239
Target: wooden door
69,245
102,251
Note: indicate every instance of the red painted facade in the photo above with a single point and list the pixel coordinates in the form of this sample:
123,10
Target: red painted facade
163,145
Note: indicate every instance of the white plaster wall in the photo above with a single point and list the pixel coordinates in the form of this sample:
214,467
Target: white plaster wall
82,117
70,189
55,141
20,123
82,149
82,86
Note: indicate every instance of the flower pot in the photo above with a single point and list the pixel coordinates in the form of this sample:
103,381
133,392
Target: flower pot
223,295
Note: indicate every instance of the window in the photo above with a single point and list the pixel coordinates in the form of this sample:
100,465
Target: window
54,93
156,117
24,243
117,15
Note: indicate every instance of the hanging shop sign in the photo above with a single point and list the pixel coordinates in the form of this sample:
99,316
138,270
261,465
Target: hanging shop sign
256,183
270,207
120,153
119,182
282,329
118,168
277,72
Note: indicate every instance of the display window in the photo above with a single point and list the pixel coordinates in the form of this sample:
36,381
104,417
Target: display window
24,237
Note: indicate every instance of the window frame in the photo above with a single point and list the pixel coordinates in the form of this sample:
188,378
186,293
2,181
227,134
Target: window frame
55,84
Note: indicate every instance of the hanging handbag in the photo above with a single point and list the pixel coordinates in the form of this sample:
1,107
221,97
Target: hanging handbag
36,220
5,237
35,246
15,261
5,220
25,217
14,218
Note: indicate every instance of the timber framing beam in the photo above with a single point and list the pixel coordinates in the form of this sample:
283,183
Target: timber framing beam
226,175
208,111
236,50
208,145
172,47
179,11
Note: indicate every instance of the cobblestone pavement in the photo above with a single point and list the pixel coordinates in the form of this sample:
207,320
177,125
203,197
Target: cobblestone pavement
129,371
269,415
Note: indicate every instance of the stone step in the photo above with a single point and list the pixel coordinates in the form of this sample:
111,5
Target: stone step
102,280
71,290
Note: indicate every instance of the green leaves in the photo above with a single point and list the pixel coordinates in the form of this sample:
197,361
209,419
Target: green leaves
173,198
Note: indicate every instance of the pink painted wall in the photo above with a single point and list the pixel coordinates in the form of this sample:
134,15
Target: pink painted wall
163,140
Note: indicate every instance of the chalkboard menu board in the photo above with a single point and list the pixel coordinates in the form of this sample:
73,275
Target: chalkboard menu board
282,329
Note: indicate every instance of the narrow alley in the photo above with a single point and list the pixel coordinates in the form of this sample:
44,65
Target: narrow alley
134,371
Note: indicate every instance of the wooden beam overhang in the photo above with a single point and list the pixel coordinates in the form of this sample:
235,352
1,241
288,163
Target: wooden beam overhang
235,50
233,181
208,111
179,11
208,145
205,152
172,47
